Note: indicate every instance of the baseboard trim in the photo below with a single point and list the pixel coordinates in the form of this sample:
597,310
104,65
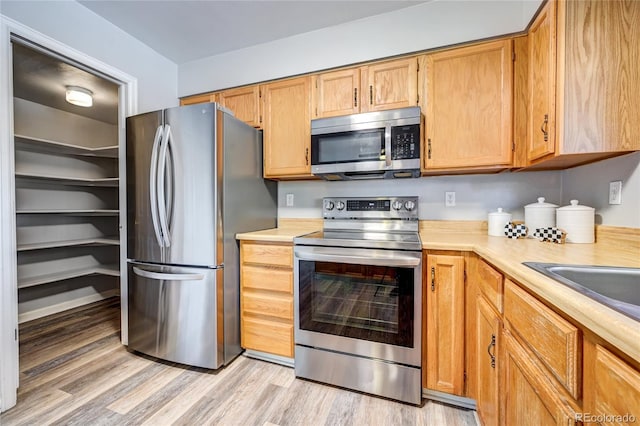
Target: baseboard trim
446,398
70,304
263,356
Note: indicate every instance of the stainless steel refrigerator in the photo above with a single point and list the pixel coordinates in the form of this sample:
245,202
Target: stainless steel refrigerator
194,180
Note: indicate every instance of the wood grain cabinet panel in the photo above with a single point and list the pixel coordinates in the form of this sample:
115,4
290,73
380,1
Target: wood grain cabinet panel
542,83
388,85
555,341
286,116
611,387
468,107
244,102
266,297
487,347
443,291
336,93
199,99
489,282
528,399
583,68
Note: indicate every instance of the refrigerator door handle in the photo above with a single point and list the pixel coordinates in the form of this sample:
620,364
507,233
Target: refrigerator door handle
168,277
162,206
153,175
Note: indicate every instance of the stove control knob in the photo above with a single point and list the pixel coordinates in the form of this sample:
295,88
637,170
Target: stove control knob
397,205
340,205
409,205
328,205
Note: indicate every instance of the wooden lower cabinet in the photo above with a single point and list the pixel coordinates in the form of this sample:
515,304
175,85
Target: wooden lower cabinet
266,297
443,334
529,399
487,347
611,388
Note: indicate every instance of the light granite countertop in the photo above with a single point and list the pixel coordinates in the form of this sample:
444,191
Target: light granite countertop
507,255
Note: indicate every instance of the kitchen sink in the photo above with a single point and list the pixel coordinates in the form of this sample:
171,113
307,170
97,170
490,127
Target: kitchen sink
615,287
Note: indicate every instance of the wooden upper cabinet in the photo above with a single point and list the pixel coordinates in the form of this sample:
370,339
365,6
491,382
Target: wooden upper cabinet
542,83
244,102
199,99
467,102
583,85
443,356
388,85
336,93
286,120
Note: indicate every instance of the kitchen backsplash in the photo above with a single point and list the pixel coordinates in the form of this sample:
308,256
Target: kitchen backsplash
477,195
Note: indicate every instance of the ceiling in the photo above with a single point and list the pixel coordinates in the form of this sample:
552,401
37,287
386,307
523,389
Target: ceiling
42,78
186,30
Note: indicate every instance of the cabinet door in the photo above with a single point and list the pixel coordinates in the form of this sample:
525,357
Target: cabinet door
468,107
336,93
487,347
287,128
542,80
528,399
244,102
199,99
611,387
389,85
443,368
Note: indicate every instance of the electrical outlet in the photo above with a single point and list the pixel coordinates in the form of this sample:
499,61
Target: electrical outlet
289,200
615,192
449,199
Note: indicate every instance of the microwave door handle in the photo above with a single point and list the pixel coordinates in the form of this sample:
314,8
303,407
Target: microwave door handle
387,145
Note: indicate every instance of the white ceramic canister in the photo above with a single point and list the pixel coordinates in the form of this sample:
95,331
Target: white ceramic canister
497,221
539,215
577,221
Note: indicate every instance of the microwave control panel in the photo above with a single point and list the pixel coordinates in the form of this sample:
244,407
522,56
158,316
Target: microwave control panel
405,142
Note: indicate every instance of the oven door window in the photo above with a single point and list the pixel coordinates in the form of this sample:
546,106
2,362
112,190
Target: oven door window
373,303
348,147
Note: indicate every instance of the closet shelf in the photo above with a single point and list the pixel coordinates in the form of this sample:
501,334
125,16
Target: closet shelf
69,180
55,147
107,269
71,212
114,241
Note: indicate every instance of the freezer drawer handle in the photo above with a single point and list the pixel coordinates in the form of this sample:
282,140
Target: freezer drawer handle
169,277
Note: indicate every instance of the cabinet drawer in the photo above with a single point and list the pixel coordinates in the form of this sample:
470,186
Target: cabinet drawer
267,336
280,306
555,341
267,254
266,278
490,283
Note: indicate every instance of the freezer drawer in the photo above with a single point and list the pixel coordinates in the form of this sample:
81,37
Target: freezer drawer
175,313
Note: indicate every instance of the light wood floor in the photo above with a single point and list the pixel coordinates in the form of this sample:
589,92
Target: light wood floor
73,370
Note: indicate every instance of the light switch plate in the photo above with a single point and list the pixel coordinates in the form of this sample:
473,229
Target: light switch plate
615,192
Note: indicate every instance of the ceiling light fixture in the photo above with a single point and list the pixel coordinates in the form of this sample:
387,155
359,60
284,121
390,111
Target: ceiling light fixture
79,96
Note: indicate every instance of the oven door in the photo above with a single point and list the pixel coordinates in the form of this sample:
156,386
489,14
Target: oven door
364,302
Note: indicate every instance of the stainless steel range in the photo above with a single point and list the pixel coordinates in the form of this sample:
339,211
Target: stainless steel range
357,296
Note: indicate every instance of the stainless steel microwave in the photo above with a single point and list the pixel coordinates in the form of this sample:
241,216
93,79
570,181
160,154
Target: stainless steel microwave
382,144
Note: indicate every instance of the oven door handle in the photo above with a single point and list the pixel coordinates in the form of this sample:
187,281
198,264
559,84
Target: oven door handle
359,256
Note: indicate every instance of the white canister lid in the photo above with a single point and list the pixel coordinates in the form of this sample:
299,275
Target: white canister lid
574,207
540,204
500,214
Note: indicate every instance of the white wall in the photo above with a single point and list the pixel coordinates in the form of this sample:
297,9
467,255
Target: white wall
476,195
76,26
416,28
589,184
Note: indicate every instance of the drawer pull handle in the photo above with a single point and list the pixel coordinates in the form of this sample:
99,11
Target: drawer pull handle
491,346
